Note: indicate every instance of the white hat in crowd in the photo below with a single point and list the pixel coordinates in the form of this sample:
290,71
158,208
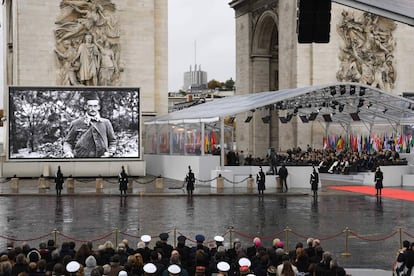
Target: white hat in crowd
122,273
150,268
72,266
223,266
244,262
218,238
174,269
146,238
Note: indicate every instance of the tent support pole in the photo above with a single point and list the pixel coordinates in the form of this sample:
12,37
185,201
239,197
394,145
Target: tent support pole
202,143
222,143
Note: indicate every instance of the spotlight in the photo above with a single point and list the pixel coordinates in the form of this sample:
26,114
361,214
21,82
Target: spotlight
333,90
266,119
361,102
361,91
304,119
355,116
342,89
248,119
313,116
327,117
352,90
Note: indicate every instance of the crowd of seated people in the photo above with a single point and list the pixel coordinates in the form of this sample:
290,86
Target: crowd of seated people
163,259
331,160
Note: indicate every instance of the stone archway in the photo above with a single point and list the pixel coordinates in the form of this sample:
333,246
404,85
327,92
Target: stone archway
265,67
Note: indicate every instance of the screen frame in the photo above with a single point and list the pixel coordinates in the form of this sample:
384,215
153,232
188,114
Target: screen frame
71,89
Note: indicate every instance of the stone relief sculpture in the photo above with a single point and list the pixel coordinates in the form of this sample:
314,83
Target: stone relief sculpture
87,43
367,53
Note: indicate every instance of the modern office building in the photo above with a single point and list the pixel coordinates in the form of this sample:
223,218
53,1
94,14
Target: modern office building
195,81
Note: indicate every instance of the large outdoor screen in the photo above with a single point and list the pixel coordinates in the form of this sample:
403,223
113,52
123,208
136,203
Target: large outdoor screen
73,123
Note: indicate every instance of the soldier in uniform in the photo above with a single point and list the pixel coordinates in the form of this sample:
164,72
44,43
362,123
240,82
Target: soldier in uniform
261,180
123,182
59,182
314,181
190,179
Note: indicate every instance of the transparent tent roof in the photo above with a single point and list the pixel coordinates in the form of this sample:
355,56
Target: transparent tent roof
341,103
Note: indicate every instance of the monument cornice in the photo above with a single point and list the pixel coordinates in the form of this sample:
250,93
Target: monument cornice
242,7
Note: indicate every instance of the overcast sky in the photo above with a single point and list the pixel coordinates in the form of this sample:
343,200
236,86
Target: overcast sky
208,24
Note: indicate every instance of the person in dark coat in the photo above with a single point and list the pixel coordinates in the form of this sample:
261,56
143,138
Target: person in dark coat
123,182
261,181
283,174
314,181
184,251
59,182
190,180
379,176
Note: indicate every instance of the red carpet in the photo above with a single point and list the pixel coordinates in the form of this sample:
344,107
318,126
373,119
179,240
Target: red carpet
370,190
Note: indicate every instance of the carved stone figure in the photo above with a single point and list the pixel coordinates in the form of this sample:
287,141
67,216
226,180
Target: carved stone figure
67,75
367,53
96,59
89,59
108,64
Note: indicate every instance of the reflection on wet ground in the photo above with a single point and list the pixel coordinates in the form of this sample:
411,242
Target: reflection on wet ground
92,217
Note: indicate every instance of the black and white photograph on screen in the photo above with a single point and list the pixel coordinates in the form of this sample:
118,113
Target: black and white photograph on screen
73,123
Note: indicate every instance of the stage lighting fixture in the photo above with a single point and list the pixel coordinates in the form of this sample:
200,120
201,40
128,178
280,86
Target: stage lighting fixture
304,119
342,89
333,90
248,119
327,117
352,90
313,116
283,120
361,91
355,116
361,103
266,119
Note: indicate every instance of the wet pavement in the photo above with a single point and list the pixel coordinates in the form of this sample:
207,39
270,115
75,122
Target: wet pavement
88,213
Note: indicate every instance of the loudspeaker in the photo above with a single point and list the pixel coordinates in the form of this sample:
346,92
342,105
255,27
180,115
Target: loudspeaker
306,15
313,24
327,117
355,116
